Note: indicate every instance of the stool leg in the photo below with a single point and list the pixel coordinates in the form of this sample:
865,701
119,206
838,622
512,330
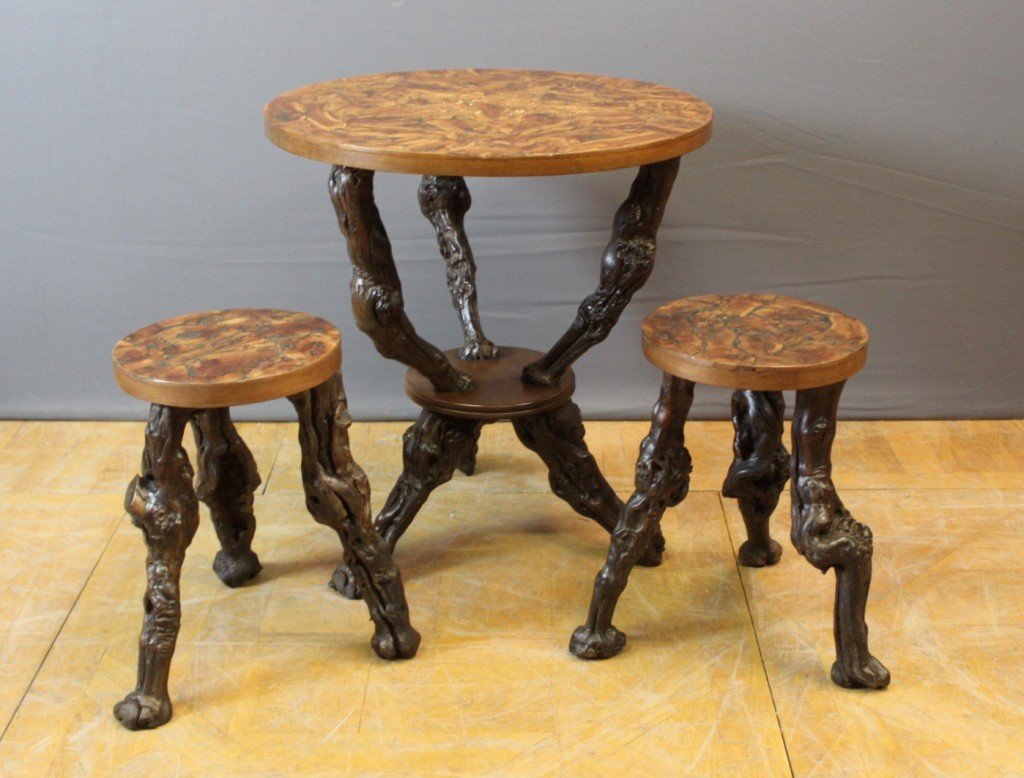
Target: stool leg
557,437
226,482
828,536
163,504
759,470
338,496
432,449
662,480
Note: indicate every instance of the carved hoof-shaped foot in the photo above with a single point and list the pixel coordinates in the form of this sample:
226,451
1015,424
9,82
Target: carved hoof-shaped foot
139,711
400,644
587,644
869,675
756,555
651,557
482,350
236,569
344,583
532,374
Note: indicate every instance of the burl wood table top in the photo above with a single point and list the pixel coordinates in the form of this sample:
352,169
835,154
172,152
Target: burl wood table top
221,358
487,122
755,341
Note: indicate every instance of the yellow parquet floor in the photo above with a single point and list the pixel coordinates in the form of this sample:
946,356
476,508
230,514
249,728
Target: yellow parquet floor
726,671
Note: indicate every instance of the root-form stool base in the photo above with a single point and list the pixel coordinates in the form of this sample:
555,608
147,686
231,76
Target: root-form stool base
191,369
757,345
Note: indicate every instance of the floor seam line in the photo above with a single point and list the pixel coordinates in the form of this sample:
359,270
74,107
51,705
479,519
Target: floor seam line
273,465
60,630
757,640
362,708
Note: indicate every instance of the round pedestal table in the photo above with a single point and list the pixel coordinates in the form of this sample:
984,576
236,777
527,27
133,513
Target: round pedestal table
445,125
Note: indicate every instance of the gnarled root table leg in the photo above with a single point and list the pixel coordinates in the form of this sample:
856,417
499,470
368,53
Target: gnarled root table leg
557,437
627,264
444,200
432,449
827,535
376,289
759,471
163,504
662,480
338,495
467,459
226,482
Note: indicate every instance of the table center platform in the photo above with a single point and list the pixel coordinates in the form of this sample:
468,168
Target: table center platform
447,124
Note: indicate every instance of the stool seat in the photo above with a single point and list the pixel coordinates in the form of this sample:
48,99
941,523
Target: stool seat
216,359
763,342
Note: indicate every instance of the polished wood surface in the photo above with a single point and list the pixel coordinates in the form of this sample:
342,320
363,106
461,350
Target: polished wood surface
214,359
275,676
500,392
487,122
755,341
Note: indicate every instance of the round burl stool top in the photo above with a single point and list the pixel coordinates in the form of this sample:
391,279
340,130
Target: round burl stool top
216,359
755,341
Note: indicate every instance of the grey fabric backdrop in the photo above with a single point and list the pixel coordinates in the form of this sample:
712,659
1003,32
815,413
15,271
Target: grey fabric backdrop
866,154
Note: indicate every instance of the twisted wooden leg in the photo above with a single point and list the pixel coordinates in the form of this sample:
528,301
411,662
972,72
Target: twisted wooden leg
338,495
759,471
662,480
557,437
627,264
432,449
467,459
827,535
163,504
376,289
226,482
444,200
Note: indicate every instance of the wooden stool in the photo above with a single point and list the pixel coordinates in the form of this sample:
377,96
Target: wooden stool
759,345
192,368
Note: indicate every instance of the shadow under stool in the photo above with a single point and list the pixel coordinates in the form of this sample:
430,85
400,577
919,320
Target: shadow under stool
757,345
192,369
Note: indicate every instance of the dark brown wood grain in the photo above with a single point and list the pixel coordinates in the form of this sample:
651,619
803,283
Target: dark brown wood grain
338,496
625,267
163,504
377,301
487,122
828,536
759,471
662,480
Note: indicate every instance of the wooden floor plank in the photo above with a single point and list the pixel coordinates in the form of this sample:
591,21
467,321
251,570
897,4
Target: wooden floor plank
496,581
278,676
49,545
945,618
8,429
98,457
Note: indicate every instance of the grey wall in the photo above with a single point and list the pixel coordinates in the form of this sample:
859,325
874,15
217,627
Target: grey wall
866,154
